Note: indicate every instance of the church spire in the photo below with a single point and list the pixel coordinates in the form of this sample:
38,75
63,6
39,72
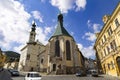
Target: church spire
60,19
32,33
60,30
33,26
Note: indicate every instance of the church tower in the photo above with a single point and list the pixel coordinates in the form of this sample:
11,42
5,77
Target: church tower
32,33
29,53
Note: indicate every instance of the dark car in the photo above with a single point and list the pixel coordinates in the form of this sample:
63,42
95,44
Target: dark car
13,72
93,72
80,73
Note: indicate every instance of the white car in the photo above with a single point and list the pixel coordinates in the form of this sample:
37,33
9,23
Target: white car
33,76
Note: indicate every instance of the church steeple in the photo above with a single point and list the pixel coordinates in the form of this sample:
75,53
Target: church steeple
33,26
32,33
60,30
60,19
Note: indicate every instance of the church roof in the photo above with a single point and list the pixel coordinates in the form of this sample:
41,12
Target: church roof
60,30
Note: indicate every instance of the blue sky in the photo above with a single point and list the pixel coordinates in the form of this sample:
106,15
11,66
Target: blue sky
82,19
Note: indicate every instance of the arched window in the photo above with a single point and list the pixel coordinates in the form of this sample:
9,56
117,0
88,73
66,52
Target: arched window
68,51
57,48
42,60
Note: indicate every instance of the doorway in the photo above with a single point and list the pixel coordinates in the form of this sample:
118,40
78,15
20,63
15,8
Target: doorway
118,64
54,67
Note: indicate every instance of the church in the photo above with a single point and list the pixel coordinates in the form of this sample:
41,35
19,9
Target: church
60,55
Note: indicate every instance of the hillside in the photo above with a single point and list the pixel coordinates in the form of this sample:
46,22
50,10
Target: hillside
11,56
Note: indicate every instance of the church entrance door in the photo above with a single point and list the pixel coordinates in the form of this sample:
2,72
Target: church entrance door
54,67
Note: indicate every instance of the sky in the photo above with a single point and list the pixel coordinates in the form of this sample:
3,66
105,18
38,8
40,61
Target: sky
82,19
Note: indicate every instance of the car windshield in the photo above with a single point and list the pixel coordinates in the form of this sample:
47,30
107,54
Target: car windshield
33,75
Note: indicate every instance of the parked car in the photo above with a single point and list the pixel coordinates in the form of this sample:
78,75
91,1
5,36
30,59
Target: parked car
93,72
80,73
33,76
13,72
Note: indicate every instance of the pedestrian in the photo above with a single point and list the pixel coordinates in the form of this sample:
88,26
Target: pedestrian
4,74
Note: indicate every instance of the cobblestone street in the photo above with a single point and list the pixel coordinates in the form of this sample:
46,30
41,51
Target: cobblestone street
72,77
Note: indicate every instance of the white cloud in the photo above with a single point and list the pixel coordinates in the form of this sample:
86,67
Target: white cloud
80,4
14,26
96,28
80,46
48,30
37,15
90,36
18,48
65,5
87,51
89,23
43,33
14,23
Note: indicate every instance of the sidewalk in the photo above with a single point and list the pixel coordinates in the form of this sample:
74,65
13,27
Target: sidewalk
109,76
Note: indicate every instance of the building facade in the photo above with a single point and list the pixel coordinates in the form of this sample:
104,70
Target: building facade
107,44
59,56
90,64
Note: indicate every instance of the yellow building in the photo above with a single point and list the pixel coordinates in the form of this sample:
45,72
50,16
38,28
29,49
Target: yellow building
107,44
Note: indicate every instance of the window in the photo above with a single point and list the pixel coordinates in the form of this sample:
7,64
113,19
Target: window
105,52
102,41
109,31
116,22
108,49
68,51
108,66
28,56
42,60
113,45
105,38
57,48
101,55
104,68
112,64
